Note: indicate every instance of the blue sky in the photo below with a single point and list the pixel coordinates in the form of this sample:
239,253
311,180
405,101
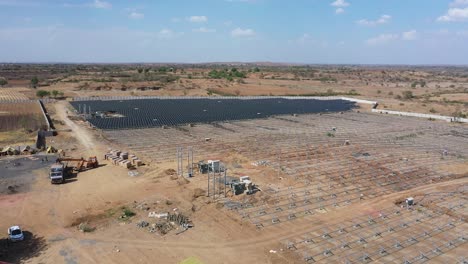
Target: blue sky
299,31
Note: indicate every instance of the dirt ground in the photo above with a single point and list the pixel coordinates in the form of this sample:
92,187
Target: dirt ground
50,214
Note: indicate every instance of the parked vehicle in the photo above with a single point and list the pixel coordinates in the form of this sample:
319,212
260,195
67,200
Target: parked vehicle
15,234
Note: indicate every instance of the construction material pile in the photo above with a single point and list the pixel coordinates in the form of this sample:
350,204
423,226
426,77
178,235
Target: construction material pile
123,159
17,150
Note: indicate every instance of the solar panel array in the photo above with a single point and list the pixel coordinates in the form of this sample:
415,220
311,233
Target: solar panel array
145,113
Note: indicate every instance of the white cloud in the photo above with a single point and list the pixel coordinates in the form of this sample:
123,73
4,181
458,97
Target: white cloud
386,38
305,38
136,15
382,20
101,4
382,39
459,3
409,35
204,30
168,34
340,3
94,4
197,19
454,15
239,32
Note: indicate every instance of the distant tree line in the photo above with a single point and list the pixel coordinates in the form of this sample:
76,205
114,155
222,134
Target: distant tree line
227,74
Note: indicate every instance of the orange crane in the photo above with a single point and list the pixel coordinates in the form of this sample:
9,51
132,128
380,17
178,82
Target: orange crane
82,164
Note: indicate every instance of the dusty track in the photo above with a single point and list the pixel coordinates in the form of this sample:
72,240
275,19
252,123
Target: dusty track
82,135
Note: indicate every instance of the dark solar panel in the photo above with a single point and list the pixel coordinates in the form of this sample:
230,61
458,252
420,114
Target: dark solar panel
144,113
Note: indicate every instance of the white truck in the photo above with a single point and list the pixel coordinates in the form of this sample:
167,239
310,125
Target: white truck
57,173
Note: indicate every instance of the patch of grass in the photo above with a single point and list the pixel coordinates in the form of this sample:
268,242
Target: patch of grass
218,92
127,212
86,228
329,134
412,135
111,212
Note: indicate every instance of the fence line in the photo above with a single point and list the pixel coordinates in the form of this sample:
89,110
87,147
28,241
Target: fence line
438,117
110,98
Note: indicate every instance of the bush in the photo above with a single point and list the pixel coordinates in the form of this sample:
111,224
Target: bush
42,93
127,212
407,95
227,74
3,81
84,227
34,81
432,110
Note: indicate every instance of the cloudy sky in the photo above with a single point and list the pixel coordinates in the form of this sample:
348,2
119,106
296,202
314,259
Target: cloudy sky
300,31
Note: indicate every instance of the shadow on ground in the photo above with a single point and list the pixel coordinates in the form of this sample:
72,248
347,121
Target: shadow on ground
18,252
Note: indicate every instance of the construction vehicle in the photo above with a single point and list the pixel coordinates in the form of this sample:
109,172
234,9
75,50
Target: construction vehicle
82,164
60,170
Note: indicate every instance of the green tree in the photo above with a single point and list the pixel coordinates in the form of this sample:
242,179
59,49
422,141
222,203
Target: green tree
3,81
34,81
140,70
42,93
55,93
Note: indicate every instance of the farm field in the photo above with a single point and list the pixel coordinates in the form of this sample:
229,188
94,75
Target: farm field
23,115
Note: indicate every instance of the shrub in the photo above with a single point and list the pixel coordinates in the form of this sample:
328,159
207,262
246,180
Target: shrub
84,227
407,95
34,81
42,93
3,81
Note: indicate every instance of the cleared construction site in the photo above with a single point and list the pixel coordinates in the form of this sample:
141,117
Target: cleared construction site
352,181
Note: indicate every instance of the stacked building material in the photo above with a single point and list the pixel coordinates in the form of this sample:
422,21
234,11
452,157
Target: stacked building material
123,159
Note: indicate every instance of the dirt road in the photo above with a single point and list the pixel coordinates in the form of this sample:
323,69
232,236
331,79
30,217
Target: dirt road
83,135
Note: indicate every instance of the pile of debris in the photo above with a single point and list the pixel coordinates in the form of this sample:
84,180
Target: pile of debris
123,159
261,163
18,150
142,224
169,222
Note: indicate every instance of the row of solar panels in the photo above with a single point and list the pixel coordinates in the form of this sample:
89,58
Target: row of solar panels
156,112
